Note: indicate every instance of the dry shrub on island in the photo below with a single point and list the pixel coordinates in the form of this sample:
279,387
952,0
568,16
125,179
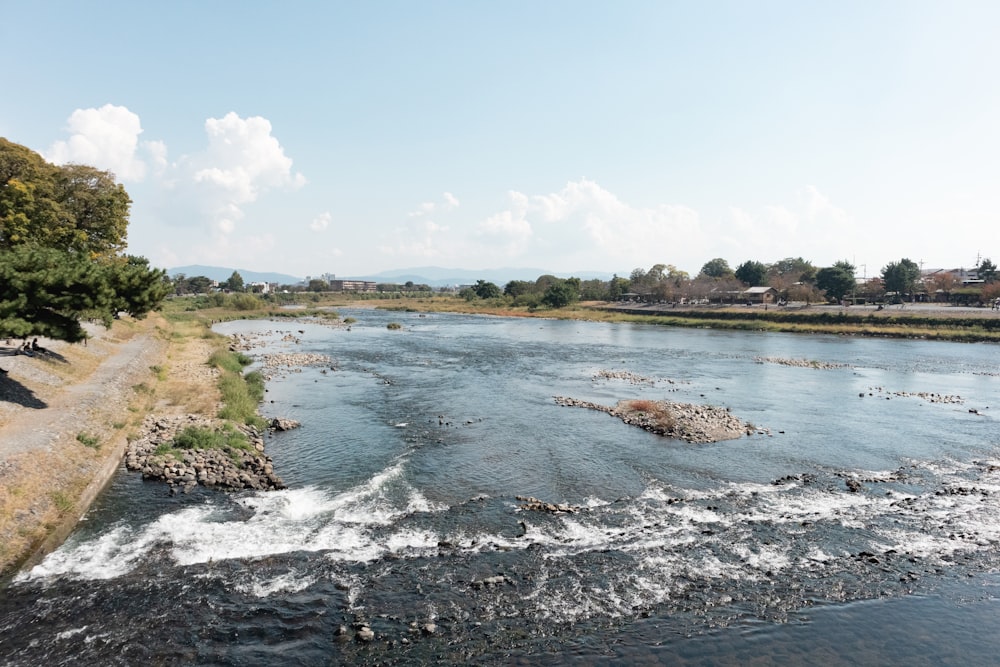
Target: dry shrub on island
656,413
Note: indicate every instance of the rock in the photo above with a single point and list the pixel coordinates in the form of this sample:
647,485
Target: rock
210,468
281,424
534,504
365,634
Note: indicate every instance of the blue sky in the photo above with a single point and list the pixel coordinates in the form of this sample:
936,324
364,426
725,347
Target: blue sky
352,138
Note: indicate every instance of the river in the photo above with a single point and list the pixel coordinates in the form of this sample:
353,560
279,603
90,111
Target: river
859,526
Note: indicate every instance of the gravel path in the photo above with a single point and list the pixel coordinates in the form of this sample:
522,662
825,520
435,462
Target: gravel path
106,392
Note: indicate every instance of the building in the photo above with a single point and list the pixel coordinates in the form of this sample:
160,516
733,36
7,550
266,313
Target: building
759,295
353,286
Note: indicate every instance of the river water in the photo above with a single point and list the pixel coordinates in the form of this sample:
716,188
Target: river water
401,512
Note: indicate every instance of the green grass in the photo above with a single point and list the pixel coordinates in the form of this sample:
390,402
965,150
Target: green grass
62,501
227,439
199,437
240,394
88,440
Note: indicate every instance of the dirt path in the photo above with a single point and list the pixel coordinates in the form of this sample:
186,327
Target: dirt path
105,392
64,418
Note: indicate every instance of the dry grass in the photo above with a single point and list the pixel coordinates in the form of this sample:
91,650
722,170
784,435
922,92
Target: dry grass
656,413
42,492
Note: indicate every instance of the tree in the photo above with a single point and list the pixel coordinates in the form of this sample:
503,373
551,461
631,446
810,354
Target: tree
234,283
795,269
62,230
75,208
837,280
901,277
751,273
516,288
943,283
486,290
987,270
96,210
616,287
44,291
315,284
637,280
562,293
716,268
594,289
136,287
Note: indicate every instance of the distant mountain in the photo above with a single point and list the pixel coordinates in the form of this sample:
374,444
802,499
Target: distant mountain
436,276
222,273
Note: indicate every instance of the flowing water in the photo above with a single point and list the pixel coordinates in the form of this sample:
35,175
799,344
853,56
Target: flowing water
863,529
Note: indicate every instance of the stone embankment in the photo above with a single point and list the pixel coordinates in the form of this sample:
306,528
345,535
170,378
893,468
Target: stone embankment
697,424
230,469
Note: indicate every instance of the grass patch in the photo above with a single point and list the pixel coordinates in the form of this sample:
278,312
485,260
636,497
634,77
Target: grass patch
229,361
62,501
226,438
240,395
199,437
159,371
88,440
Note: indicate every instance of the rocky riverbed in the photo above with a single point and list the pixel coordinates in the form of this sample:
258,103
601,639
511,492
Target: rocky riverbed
683,421
154,455
799,363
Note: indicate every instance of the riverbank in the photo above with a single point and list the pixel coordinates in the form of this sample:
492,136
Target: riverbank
66,416
910,321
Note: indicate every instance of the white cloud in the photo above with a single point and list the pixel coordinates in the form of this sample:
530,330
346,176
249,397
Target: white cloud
107,138
243,159
321,222
448,203
584,225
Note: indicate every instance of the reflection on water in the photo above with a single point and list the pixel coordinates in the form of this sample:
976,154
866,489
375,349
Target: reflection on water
869,507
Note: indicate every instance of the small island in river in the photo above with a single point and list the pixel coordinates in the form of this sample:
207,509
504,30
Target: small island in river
697,424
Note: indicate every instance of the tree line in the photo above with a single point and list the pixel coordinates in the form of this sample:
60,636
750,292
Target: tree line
63,232
793,278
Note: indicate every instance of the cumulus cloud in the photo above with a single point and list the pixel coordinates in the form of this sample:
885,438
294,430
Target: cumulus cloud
585,225
213,188
321,222
243,159
108,138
